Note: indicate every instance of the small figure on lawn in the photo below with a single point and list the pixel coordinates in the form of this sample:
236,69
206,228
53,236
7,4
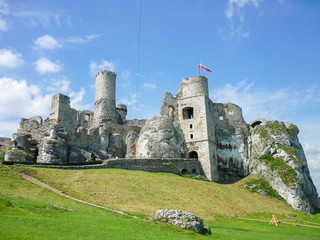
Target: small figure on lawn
93,156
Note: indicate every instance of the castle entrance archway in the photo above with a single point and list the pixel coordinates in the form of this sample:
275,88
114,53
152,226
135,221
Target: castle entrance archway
193,154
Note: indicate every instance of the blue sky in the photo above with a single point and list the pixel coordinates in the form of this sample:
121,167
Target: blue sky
265,57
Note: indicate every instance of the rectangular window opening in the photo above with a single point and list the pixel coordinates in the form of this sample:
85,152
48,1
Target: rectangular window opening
221,117
191,136
191,126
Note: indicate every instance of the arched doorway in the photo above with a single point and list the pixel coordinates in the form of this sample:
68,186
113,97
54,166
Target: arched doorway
193,154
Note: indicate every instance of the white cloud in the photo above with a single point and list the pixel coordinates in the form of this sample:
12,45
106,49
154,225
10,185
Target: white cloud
235,7
133,99
76,100
46,42
103,65
149,85
7,127
44,65
312,150
36,17
59,86
82,40
235,16
63,86
18,99
4,8
10,59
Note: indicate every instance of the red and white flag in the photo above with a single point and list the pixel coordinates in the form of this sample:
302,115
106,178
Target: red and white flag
203,67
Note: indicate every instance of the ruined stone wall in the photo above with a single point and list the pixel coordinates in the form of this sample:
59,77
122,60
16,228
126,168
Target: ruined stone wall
62,113
105,98
177,166
122,111
85,119
231,133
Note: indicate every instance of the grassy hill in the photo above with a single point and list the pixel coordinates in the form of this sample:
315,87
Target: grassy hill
28,211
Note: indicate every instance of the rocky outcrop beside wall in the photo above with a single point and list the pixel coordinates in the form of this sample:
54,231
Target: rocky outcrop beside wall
160,138
277,155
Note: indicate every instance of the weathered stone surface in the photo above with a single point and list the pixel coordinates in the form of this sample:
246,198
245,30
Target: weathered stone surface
177,166
159,138
131,140
277,156
19,156
54,149
5,143
231,132
181,219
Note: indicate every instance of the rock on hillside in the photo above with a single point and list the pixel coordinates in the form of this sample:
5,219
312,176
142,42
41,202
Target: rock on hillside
182,219
276,154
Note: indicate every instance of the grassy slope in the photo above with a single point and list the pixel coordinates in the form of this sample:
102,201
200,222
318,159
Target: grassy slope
138,191
31,212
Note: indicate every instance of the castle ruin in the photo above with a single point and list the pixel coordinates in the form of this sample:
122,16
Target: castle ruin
191,135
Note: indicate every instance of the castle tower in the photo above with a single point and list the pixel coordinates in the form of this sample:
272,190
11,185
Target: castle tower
194,86
105,98
194,114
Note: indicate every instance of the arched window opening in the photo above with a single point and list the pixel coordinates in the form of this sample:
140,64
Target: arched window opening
194,172
193,154
184,171
187,113
256,124
87,117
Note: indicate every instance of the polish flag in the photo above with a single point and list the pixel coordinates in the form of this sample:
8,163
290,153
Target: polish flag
203,67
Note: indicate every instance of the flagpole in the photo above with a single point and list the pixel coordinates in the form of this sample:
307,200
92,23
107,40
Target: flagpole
199,67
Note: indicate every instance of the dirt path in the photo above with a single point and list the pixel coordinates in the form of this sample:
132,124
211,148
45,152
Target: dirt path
42,184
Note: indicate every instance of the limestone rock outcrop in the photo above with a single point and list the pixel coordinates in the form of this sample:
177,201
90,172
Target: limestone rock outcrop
182,219
159,138
277,156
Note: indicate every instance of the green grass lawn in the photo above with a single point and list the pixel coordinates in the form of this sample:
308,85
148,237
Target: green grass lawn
28,211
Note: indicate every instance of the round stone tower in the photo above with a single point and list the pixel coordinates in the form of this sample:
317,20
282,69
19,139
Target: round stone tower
194,86
105,99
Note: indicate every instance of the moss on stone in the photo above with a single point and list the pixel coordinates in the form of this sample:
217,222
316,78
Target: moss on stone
286,172
292,152
263,184
271,128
